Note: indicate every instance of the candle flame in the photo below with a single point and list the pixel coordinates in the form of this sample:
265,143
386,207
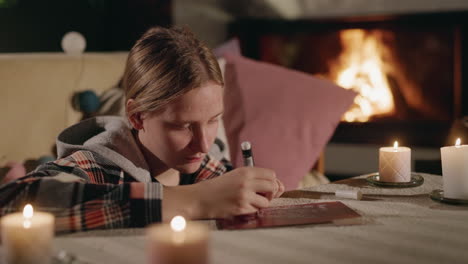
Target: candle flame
395,145
178,223
27,214
28,211
458,142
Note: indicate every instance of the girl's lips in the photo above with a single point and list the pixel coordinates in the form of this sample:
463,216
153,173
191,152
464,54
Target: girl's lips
193,159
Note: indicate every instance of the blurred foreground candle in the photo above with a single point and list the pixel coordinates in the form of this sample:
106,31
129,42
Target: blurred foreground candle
27,237
178,242
395,164
455,170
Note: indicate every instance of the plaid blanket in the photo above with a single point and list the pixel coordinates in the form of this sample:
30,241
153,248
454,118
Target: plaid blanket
87,191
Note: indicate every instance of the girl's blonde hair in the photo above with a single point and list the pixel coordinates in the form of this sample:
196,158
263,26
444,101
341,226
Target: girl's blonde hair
165,64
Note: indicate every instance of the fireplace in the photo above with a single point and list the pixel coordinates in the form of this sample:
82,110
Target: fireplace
407,69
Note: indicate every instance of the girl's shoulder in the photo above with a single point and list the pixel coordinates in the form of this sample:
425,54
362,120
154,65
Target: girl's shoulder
86,164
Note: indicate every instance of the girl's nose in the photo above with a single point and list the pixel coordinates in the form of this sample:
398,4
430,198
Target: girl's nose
200,141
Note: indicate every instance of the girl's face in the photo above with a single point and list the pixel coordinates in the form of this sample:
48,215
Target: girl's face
181,135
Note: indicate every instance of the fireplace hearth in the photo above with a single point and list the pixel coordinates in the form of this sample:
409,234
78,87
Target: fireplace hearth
422,59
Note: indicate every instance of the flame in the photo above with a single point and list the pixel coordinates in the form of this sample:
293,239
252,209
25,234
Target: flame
360,67
395,145
28,211
27,215
178,223
458,142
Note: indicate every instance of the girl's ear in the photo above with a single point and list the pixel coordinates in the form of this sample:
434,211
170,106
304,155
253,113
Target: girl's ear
135,119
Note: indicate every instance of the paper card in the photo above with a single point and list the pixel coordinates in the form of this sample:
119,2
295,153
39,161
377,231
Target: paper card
312,213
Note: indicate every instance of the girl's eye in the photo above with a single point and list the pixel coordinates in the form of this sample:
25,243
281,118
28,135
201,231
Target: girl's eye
181,126
213,121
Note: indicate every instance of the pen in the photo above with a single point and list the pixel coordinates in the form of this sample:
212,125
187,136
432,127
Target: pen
246,148
247,154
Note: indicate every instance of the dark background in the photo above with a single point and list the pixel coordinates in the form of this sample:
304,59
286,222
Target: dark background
108,25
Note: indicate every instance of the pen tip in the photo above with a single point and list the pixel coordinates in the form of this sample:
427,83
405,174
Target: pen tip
245,145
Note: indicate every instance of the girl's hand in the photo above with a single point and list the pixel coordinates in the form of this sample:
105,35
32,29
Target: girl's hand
240,191
280,189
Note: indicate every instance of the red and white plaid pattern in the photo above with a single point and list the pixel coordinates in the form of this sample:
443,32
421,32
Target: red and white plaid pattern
86,191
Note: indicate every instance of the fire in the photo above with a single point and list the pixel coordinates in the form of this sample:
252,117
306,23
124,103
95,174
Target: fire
361,67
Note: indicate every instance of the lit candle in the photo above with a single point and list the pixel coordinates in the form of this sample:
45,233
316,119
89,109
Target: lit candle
27,237
455,170
178,242
395,164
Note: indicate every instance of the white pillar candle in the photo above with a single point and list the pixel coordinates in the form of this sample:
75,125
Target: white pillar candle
455,171
27,237
178,242
395,164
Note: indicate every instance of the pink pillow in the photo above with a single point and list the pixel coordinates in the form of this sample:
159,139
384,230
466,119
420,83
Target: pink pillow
231,46
288,116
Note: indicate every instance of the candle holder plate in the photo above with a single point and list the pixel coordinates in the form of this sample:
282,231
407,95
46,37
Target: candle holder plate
438,196
416,180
